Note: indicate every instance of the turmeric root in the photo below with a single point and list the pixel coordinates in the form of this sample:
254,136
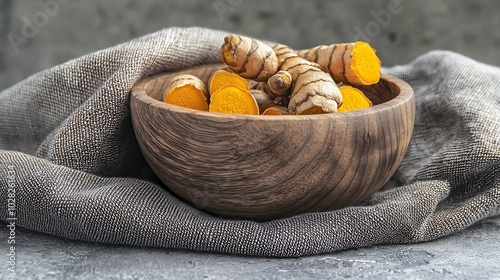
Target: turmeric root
263,99
279,83
187,91
233,100
313,90
223,78
249,58
353,98
353,63
255,85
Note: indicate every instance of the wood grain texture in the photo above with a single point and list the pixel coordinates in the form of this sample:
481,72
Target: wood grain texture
268,167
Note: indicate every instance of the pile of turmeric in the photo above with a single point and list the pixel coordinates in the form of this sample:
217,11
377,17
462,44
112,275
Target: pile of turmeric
279,81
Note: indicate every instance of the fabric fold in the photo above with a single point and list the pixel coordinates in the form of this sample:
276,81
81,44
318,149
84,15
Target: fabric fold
68,149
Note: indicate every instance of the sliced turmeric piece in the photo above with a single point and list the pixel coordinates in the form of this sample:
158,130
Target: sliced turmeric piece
223,78
231,99
353,63
276,110
187,91
311,86
353,98
249,58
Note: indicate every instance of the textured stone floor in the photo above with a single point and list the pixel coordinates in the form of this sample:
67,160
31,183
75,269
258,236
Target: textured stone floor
470,254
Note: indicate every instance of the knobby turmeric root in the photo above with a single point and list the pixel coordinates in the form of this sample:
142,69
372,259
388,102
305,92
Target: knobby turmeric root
313,91
249,58
231,99
223,78
279,83
352,63
353,99
187,91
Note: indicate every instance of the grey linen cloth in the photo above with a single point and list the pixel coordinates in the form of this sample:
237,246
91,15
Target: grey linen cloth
68,150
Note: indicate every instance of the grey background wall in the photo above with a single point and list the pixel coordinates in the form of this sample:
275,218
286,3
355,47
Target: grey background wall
399,29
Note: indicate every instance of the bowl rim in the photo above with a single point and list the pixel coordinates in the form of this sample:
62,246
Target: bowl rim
139,93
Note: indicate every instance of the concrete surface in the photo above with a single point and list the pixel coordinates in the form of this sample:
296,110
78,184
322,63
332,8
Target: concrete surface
473,253
399,29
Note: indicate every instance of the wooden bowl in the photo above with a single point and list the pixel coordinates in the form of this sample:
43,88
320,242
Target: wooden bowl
268,167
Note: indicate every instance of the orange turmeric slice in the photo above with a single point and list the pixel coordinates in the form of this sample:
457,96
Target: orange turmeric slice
187,91
365,65
223,78
231,99
276,111
353,99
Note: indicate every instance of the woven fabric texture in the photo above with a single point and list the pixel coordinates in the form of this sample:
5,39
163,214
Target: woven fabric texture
69,158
